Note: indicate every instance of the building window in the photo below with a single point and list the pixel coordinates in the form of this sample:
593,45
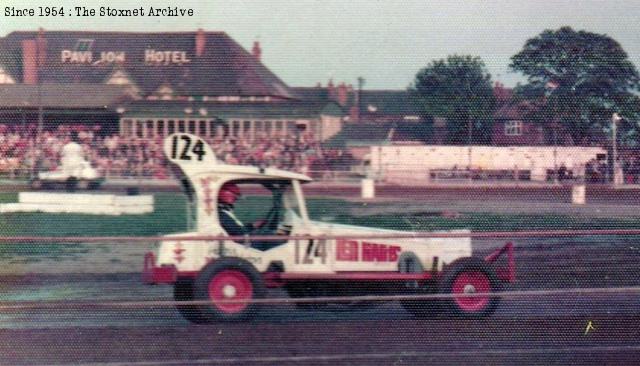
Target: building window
160,128
513,128
5,78
164,92
148,129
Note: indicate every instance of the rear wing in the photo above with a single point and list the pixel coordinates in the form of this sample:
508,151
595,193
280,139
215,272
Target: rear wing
191,154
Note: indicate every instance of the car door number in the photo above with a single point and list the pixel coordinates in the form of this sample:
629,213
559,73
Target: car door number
307,250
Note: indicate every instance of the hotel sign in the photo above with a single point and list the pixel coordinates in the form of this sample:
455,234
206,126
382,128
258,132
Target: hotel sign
151,57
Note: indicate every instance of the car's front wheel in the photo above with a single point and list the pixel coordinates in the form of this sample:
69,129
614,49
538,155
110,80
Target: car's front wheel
230,285
466,277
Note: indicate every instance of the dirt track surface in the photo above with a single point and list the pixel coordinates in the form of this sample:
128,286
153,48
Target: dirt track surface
531,330
548,341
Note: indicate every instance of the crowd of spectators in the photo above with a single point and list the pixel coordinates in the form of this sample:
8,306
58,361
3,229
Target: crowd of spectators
23,151
598,171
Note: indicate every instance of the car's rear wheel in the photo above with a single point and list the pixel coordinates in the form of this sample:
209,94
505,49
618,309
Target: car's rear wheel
230,285
469,276
183,291
71,184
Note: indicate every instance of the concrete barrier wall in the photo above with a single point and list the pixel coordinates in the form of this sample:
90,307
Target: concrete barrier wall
537,159
83,203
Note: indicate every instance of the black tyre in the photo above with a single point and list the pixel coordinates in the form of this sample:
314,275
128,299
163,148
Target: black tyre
183,291
229,284
410,263
469,276
71,184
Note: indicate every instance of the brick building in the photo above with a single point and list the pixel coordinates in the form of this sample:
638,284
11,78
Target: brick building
199,82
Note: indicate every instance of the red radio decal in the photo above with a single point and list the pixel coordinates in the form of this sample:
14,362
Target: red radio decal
347,250
354,251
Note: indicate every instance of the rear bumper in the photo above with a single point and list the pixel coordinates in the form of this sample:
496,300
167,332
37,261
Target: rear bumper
505,273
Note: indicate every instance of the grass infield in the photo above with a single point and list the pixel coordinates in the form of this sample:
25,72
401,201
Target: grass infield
170,215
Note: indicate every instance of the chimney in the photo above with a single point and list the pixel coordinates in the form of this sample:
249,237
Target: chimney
29,62
354,114
331,90
343,94
201,40
42,48
256,50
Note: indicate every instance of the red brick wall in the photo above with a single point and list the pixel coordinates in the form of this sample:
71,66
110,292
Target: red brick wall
29,62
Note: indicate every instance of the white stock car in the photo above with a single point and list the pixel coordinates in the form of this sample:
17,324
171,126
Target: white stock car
74,172
222,278
83,177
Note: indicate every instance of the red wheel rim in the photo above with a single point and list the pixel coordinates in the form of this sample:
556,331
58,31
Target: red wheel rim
470,283
230,285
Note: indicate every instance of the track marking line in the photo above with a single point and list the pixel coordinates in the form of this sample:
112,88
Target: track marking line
13,305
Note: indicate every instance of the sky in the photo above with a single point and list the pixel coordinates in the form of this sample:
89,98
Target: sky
386,42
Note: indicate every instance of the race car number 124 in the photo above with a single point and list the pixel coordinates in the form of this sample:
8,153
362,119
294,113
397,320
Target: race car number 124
186,151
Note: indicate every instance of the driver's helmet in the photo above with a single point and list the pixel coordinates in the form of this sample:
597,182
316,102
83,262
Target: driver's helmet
229,193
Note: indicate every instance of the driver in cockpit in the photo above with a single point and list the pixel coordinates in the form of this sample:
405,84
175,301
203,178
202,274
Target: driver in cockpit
227,197
229,194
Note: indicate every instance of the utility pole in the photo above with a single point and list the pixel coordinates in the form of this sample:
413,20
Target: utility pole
361,82
469,128
40,126
549,88
555,152
470,140
615,118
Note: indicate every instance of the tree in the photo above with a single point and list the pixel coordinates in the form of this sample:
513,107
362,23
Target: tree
458,89
580,79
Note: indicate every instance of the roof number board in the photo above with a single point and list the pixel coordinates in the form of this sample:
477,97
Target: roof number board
184,148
